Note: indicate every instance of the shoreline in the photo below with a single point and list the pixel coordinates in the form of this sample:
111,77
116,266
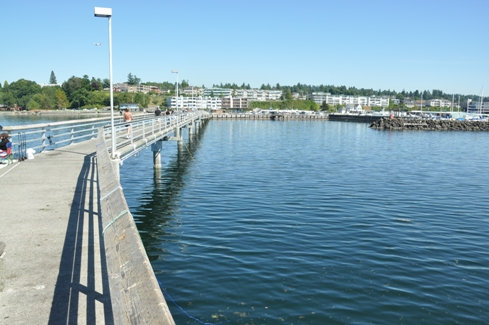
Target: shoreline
55,112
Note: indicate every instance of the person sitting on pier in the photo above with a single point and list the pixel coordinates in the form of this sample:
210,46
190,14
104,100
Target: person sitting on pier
5,145
128,120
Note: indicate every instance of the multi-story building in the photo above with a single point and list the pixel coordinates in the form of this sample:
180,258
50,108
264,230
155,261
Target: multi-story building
126,88
194,103
438,103
193,91
231,102
378,101
217,92
320,98
258,94
477,107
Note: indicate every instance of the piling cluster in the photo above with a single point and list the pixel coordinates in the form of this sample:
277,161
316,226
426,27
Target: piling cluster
431,125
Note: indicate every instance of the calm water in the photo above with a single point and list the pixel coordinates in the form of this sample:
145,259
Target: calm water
315,222
7,119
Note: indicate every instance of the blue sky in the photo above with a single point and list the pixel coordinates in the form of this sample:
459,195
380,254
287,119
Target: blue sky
379,44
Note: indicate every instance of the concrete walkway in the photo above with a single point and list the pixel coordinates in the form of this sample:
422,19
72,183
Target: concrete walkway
52,271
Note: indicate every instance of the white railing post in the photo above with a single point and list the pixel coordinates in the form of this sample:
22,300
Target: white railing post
72,139
43,139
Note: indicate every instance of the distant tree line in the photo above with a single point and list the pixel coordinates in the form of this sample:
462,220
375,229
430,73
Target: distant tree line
306,90
86,92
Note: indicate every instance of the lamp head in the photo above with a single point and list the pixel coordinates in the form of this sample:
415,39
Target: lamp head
102,12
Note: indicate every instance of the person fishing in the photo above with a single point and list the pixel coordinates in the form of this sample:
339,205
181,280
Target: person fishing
4,140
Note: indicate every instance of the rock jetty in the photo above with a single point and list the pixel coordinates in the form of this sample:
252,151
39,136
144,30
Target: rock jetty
429,125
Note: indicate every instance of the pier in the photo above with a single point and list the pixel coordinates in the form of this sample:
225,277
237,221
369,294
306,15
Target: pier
71,250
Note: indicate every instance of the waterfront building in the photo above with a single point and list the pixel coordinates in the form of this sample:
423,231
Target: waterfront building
217,92
259,95
409,103
193,91
321,97
395,101
134,107
438,103
475,106
231,102
195,103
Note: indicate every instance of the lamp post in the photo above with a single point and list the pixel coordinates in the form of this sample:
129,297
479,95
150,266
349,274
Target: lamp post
176,71
107,13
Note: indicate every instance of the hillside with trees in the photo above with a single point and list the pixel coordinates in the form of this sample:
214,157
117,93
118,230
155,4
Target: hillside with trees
86,92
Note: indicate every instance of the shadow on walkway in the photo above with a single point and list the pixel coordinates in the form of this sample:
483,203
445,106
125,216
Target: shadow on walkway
82,281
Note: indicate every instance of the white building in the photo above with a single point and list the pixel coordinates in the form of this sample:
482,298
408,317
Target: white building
320,97
476,107
258,95
195,103
438,103
193,91
217,92
141,88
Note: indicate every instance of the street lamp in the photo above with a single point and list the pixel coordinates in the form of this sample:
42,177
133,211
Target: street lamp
107,13
176,71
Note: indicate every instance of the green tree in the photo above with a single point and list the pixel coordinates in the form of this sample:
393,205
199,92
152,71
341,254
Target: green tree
61,99
96,84
288,94
325,106
184,84
33,104
52,78
75,84
79,98
8,99
133,80
22,90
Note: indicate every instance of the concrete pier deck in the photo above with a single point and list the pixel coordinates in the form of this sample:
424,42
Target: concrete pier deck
53,269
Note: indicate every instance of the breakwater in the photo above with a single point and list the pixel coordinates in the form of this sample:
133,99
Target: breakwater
429,125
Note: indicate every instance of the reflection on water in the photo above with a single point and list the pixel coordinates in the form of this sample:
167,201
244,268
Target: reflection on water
159,205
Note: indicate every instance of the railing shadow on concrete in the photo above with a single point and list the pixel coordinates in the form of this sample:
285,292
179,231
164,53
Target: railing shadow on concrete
135,293
72,283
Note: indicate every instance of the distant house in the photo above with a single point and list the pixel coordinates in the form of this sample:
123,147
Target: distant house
132,107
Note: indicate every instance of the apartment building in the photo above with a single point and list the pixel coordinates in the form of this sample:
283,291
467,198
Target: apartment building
320,97
217,92
477,107
193,91
258,94
194,103
126,88
438,103
231,102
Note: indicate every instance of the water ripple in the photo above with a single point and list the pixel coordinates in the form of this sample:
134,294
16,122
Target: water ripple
319,223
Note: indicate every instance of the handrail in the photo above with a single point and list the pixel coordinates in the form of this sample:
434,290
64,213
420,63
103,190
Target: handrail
147,131
49,136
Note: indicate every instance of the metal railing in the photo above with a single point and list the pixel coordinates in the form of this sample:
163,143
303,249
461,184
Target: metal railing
49,136
146,131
